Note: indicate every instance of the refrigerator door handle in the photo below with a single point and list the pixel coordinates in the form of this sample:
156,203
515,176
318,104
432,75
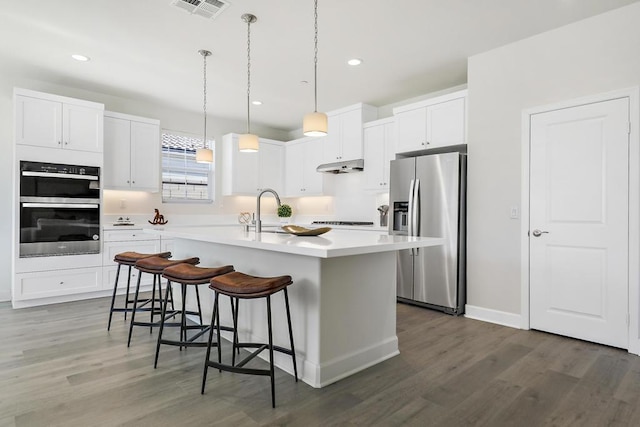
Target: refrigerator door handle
415,214
410,208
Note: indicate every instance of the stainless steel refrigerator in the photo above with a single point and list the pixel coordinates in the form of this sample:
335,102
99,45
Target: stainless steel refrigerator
427,198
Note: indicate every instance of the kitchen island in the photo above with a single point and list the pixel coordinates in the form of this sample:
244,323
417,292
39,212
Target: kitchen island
343,297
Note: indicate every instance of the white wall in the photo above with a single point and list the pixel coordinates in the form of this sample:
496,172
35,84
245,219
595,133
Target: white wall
593,56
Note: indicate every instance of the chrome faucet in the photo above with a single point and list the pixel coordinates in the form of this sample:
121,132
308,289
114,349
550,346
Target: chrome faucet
258,222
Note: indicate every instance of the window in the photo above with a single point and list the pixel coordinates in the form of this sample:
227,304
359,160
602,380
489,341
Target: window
183,179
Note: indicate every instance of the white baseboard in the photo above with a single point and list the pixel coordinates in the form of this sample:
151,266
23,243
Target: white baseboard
5,296
492,316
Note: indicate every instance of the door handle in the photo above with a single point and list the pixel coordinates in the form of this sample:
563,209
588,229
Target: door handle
538,233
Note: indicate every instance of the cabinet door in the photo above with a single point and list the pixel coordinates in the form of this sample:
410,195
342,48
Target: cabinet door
38,122
294,174
351,135
240,169
271,157
117,134
145,156
374,156
82,128
446,123
312,180
411,130
332,142
390,153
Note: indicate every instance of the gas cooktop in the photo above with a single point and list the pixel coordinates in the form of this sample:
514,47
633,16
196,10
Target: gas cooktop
364,223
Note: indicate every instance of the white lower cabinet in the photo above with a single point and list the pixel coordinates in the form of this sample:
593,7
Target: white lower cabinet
130,240
46,284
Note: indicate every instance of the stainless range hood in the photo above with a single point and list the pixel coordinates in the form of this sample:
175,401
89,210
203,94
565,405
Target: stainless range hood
342,167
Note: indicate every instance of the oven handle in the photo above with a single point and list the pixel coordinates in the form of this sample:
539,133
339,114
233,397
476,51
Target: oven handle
61,175
61,205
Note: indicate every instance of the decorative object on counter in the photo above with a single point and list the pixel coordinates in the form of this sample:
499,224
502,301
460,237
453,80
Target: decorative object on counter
384,215
244,218
284,213
204,154
158,219
123,221
248,142
315,124
302,231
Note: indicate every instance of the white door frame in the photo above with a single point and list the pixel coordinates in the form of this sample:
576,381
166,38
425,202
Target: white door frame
634,204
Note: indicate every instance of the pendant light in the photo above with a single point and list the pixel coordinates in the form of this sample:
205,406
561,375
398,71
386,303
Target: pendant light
248,142
204,154
315,124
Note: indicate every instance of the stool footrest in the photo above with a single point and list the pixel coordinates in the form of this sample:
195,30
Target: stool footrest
238,370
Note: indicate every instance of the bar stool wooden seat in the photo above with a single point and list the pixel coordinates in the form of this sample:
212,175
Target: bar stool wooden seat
243,286
185,275
129,259
153,265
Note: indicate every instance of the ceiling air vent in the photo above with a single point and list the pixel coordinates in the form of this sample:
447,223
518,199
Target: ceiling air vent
209,9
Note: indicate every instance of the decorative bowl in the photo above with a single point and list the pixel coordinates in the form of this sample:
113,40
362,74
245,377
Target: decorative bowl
302,231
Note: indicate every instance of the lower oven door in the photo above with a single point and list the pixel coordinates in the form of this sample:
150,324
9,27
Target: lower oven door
48,229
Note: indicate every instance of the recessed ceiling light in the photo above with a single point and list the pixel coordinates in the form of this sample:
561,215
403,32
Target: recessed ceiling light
304,82
256,102
354,61
80,58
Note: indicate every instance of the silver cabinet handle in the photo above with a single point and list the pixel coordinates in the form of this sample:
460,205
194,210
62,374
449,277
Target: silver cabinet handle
538,233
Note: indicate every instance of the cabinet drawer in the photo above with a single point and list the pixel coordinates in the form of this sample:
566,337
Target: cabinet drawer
130,234
55,283
111,249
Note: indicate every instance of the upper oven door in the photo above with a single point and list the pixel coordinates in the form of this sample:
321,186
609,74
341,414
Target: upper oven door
63,182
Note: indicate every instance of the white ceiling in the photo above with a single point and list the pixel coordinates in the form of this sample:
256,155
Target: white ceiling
148,49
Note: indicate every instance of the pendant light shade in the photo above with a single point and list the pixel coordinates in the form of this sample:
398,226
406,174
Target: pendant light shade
248,143
204,154
315,124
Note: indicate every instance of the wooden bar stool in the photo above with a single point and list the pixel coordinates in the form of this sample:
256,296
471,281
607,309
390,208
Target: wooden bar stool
188,274
242,286
129,259
153,265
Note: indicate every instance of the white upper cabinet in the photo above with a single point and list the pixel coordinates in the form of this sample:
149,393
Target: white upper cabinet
52,121
379,150
436,122
249,173
344,138
132,152
302,158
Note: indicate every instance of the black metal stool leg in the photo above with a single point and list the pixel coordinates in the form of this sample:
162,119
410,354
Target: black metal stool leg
133,310
271,370
199,307
113,297
218,328
152,313
126,297
183,320
171,293
208,355
164,312
293,350
235,347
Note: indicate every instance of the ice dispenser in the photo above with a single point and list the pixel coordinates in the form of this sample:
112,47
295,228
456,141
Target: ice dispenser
400,216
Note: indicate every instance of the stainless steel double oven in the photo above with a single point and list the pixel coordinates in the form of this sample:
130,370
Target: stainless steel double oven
59,209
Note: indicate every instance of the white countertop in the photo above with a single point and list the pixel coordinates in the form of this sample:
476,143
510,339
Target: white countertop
335,243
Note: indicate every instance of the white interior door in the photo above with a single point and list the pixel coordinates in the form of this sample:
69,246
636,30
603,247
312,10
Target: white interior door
579,222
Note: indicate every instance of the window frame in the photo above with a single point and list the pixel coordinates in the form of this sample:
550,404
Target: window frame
195,143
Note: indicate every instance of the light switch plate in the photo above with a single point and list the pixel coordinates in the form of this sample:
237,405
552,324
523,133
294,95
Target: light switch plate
514,213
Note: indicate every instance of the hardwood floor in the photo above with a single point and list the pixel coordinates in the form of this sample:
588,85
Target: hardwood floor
60,367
